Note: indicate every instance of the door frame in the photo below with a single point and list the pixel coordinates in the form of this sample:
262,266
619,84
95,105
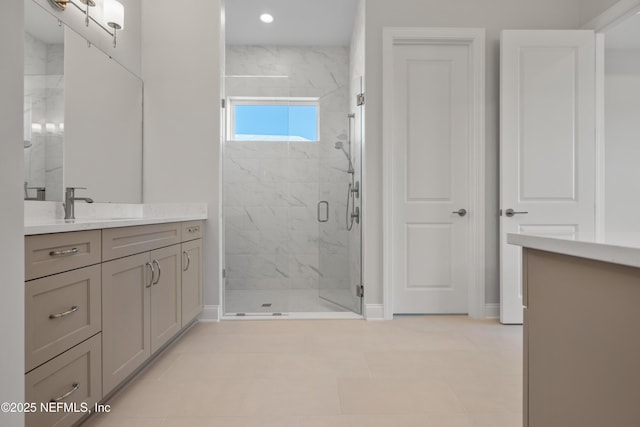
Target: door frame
474,38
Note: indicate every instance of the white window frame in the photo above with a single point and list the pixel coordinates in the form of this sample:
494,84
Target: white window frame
233,101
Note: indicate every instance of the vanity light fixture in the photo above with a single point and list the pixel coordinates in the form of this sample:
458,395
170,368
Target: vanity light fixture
113,13
267,18
114,16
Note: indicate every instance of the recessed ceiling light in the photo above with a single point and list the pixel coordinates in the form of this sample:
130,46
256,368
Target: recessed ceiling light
266,18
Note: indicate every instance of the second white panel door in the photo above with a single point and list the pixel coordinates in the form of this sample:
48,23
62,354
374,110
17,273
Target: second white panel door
430,178
547,147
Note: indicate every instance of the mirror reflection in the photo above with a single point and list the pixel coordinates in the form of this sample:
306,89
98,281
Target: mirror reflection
82,115
43,105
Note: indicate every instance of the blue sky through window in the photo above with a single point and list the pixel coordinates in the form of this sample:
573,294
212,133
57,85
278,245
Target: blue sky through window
297,122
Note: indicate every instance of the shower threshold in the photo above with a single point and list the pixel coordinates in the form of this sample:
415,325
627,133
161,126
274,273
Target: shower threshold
257,314
324,315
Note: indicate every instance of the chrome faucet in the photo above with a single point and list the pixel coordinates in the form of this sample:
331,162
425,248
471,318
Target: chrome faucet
40,192
69,201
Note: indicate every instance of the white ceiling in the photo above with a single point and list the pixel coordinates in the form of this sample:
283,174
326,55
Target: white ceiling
41,24
297,22
625,35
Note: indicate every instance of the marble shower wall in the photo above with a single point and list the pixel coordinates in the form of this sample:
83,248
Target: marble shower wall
44,104
272,189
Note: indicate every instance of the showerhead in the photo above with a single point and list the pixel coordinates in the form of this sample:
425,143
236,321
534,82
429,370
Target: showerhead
340,146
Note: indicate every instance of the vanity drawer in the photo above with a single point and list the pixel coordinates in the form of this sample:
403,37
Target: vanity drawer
125,241
191,230
61,311
47,254
74,377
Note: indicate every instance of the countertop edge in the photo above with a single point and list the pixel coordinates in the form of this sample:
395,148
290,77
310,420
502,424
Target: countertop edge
599,251
31,229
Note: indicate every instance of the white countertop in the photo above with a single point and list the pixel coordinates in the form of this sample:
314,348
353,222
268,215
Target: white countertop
617,248
46,217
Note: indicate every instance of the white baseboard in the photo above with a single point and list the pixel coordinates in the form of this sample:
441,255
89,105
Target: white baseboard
492,311
374,312
211,313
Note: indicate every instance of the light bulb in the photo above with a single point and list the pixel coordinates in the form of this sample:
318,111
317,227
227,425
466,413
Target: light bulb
266,18
114,14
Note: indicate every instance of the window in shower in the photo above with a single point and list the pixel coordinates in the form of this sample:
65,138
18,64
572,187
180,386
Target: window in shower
273,119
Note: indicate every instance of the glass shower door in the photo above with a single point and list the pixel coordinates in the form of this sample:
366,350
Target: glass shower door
340,243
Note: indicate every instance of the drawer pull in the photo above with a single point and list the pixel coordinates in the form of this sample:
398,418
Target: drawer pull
157,264
66,313
74,388
188,260
193,229
68,252
153,273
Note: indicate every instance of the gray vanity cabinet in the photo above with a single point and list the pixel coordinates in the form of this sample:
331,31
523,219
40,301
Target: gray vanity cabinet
581,341
141,297
62,325
166,296
100,304
192,290
126,323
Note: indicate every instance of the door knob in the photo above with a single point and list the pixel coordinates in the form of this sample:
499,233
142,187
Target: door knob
460,212
511,212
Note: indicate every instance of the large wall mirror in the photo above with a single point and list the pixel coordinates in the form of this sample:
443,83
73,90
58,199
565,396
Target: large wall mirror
82,116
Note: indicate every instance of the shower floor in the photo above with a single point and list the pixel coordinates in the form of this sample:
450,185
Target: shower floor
282,301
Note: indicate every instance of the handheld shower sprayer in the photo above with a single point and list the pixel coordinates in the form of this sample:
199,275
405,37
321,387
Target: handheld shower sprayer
340,146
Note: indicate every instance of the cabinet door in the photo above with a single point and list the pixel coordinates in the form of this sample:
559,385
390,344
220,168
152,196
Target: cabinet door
126,334
192,300
166,296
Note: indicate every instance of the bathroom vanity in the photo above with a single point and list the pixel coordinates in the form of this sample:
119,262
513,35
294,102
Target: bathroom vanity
102,298
581,335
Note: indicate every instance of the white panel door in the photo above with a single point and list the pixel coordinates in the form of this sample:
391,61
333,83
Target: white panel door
430,172
547,144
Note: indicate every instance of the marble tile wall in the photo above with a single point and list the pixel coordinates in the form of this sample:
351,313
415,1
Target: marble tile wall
44,103
272,189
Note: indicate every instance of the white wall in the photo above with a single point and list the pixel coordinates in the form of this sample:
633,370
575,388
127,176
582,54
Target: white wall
622,146
11,210
494,15
181,68
589,9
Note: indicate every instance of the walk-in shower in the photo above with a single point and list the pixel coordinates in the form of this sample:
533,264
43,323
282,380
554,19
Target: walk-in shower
292,203
292,240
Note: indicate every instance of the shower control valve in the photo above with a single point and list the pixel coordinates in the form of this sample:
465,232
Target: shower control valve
355,189
355,215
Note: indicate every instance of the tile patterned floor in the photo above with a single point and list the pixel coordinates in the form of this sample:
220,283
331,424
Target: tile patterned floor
426,371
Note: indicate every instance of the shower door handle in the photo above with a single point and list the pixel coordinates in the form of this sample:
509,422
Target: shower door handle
324,218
